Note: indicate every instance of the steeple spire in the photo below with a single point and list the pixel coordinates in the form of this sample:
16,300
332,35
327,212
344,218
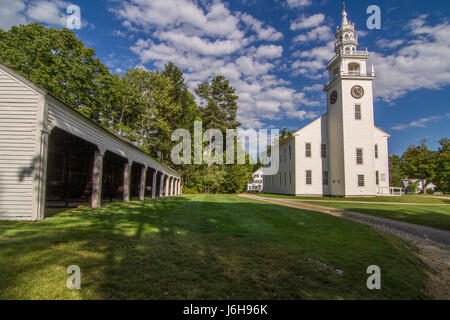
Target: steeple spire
344,15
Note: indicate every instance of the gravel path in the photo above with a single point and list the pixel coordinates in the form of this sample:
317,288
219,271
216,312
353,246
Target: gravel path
404,229
433,244
372,202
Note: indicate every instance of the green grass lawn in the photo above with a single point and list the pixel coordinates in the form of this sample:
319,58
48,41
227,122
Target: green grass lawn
400,199
431,216
203,247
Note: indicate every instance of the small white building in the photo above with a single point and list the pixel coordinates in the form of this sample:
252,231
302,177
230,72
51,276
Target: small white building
257,183
422,185
52,155
342,153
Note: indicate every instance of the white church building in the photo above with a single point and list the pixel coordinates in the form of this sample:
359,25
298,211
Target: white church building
342,153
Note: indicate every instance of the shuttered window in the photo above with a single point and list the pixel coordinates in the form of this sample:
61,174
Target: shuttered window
323,150
308,177
308,150
358,112
325,178
359,156
360,180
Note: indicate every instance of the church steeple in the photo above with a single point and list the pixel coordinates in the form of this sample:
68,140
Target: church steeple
346,38
344,15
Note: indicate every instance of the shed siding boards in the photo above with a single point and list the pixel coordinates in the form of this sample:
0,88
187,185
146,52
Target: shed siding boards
27,114
20,111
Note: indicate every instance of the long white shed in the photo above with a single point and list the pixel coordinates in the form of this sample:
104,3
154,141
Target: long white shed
52,155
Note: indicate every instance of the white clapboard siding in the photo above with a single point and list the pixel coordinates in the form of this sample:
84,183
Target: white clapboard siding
18,122
26,112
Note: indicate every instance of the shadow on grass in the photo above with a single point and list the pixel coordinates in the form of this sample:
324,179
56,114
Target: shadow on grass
202,247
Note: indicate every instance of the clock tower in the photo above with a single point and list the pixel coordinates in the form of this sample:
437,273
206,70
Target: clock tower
350,116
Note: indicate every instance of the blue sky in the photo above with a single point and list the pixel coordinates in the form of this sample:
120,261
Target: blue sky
274,53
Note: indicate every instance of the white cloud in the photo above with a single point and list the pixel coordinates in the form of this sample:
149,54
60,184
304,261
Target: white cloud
302,114
51,13
316,87
187,36
308,22
421,123
389,44
311,63
11,13
319,34
298,3
170,13
269,51
263,33
197,44
251,67
420,63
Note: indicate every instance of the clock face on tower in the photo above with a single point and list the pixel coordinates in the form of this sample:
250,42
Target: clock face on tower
357,92
333,97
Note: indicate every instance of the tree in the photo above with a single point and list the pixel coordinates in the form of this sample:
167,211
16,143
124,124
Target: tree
420,163
218,104
182,97
59,62
396,172
442,180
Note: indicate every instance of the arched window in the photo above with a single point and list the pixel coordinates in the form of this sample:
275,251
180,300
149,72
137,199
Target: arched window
347,49
354,68
347,37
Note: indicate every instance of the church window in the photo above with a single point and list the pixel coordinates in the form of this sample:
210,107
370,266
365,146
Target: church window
308,177
290,178
325,178
290,153
323,150
358,112
360,180
359,156
308,150
376,151
354,68
377,178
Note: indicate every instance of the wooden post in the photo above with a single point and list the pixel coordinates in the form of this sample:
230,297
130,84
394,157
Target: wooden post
174,181
167,186
126,181
155,173
142,185
97,173
161,184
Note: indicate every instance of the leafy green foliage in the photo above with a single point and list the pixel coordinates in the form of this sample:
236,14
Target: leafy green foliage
143,106
59,62
419,162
